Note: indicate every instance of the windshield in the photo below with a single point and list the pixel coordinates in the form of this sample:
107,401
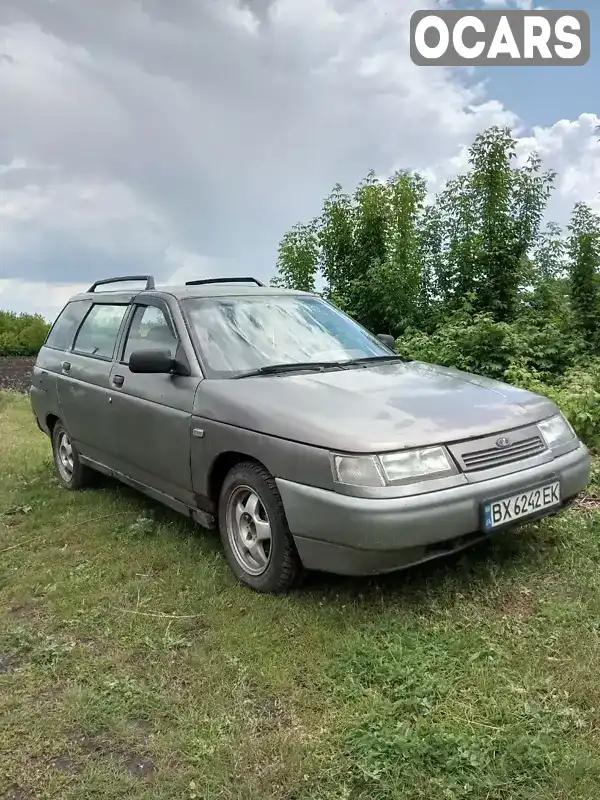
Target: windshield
237,334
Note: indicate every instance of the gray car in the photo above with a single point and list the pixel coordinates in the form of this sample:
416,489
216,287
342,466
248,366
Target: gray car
306,439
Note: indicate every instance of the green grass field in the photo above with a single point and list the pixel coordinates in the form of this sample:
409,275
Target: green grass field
133,665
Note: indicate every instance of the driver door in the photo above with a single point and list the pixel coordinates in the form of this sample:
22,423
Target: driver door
153,412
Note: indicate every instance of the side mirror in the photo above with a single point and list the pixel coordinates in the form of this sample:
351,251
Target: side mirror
152,361
387,340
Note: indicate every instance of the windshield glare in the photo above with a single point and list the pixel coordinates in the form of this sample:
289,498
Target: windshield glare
237,334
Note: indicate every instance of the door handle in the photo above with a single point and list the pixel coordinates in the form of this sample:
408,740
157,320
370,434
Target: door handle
66,365
118,380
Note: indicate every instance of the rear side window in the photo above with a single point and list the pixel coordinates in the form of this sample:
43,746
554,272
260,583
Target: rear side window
98,334
67,322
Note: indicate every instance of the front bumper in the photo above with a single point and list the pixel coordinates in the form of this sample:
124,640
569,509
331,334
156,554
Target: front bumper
359,536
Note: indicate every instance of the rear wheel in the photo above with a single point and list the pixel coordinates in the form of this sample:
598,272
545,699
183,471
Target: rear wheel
254,530
71,473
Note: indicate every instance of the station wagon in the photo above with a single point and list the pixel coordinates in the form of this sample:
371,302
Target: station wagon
306,439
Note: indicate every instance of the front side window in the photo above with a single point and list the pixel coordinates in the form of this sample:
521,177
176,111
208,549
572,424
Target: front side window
236,334
67,322
98,334
150,330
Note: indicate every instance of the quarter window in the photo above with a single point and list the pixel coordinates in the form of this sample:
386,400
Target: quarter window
98,334
67,322
150,330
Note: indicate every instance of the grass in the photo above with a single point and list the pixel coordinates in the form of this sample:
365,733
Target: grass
133,665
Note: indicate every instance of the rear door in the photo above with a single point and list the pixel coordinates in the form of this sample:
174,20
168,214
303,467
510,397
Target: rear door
44,388
152,413
83,382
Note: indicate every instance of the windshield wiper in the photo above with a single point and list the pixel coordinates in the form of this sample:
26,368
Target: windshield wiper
370,360
277,369
317,366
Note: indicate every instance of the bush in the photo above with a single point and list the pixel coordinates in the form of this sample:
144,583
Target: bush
577,393
542,357
477,343
21,334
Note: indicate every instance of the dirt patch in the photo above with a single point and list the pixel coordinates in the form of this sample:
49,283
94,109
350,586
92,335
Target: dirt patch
99,746
16,372
7,663
142,728
64,764
90,745
86,642
266,713
52,693
25,611
270,713
15,516
138,766
519,605
588,502
14,793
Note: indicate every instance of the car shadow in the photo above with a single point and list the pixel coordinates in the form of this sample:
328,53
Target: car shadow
466,572
149,507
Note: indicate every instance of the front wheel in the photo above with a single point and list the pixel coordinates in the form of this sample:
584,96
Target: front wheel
254,531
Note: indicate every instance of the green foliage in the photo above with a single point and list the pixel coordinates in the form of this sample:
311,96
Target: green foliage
336,240
542,357
21,334
392,260
478,343
584,245
490,220
367,251
577,393
297,260
405,741
471,280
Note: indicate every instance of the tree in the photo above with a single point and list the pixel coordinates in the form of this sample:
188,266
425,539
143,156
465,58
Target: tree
494,213
457,275
584,247
431,237
365,248
394,261
473,279
21,334
336,241
297,259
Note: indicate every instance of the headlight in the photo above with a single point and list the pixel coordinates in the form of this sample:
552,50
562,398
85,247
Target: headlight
556,431
392,467
358,470
415,464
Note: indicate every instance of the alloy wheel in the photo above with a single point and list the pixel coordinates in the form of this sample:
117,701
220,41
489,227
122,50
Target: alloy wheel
249,530
64,451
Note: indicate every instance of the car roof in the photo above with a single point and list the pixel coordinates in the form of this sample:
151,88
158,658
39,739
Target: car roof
188,292
225,290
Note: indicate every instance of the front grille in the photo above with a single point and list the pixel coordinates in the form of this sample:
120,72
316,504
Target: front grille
497,457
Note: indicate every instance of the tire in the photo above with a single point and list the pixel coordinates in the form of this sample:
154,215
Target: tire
250,507
71,473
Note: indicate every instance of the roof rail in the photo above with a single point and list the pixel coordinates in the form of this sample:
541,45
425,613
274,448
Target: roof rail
223,280
148,278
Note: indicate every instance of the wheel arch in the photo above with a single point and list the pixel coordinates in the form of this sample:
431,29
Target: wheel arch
222,465
51,420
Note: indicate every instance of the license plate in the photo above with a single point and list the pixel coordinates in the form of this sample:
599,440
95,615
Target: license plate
517,506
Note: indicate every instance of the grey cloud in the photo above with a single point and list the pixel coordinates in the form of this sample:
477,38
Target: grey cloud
228,136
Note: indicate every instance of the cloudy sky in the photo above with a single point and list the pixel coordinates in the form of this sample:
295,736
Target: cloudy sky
183,138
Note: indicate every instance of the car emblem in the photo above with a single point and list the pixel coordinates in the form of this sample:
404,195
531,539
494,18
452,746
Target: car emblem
503,442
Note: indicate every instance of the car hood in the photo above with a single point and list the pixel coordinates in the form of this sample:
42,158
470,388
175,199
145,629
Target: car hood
374,409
